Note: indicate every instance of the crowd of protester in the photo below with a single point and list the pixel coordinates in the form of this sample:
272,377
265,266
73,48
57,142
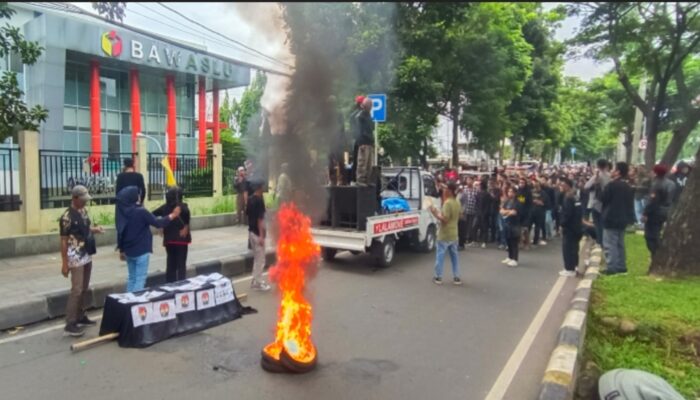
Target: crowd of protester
516,209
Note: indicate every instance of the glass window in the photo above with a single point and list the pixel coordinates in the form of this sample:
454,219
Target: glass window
113,122
152,123
83,88
83,118
70,95
70,119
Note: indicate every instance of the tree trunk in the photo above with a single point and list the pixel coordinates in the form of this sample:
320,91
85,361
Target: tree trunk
652,130
679,253
455,135
522,151
680,135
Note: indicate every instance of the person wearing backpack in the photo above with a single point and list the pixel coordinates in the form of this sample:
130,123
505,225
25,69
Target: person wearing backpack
77,247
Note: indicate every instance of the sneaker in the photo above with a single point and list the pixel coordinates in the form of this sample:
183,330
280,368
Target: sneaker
543,243
261,286
437,280
512,263
73,330
567,274
501,247
460,248
483,245
470,244
457,281
85,321
505,261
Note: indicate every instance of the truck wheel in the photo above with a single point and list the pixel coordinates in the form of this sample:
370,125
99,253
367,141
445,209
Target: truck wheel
328,254
428,244
384,251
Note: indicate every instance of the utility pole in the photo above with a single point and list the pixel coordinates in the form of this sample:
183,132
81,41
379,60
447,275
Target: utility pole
637,156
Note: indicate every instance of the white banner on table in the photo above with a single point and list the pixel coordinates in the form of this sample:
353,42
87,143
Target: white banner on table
142,314
184,302
205,299
223,291
164,310
215,276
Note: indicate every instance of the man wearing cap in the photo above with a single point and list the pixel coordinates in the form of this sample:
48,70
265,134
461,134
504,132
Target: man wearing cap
241,186
77,247
129,177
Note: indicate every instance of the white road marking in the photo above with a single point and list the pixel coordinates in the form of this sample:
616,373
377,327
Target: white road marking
94,317
500,386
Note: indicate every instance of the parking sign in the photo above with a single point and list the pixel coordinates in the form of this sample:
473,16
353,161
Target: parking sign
378,111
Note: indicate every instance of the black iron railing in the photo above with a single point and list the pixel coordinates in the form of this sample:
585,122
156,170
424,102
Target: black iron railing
193,173
9,179
63,170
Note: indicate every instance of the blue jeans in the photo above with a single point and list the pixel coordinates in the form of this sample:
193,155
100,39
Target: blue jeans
502,238
548,223
442,247
614,247
138,272
639,205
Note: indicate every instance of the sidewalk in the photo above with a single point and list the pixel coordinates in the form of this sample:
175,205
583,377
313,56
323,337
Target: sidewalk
33,288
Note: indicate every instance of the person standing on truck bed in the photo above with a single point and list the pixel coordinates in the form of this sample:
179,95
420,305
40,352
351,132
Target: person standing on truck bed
447,235
365,142
355,130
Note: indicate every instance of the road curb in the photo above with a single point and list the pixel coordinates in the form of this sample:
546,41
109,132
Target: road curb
559,379
53,304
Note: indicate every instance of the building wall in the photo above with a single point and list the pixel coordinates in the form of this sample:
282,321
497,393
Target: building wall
45,81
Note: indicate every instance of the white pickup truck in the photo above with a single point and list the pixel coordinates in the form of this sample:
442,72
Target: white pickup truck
378,233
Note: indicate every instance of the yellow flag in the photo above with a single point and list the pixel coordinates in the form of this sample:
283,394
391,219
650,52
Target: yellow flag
169,176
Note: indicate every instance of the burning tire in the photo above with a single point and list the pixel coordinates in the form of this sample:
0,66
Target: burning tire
297,366
269,364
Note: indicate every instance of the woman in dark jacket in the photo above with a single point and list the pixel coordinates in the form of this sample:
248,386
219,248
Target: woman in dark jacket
134,238
176,236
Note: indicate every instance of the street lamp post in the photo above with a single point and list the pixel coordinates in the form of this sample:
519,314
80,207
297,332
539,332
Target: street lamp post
160,148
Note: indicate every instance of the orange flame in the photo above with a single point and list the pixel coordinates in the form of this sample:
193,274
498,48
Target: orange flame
297,260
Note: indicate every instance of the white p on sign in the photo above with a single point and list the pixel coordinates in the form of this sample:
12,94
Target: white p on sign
378,110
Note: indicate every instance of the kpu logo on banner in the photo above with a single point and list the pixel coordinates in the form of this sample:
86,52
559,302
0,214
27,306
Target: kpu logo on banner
142,314
184,302
164,310
205,299
111,44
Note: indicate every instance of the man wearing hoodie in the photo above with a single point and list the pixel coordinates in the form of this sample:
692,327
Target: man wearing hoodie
176,236
134,238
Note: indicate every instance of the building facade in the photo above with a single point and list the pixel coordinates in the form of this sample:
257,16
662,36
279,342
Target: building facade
103,83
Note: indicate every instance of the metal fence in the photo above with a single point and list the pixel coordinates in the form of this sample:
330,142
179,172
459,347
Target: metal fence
9,179
193,173
62,170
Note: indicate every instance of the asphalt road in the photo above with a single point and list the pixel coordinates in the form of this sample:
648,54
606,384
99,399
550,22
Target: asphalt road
385,334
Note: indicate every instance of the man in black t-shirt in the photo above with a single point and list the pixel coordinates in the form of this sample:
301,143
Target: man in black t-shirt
256,234
129,177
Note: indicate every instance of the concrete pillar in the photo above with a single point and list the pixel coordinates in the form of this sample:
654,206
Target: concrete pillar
142,163
218,170
29,175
